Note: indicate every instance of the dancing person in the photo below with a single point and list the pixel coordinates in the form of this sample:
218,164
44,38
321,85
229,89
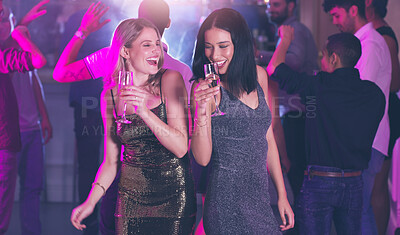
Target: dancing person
375,12
84,98
72,71
156,191
93,67
157,12
27,58
239,144
340,130
289,121
374,65
35,131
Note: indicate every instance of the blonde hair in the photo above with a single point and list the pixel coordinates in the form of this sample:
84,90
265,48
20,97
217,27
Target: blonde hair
124,35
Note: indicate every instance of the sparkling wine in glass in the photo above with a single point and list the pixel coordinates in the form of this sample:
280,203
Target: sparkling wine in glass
125,78
211,72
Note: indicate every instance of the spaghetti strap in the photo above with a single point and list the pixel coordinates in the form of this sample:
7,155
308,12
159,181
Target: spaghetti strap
162,73
115,110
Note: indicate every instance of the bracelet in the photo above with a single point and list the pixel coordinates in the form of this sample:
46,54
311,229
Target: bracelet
80,34
196,121
101,186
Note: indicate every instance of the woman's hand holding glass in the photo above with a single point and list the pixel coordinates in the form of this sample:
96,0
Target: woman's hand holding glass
125,79
211,73
203,94
138,99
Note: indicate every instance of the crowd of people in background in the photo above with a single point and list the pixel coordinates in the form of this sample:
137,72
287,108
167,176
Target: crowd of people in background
329,126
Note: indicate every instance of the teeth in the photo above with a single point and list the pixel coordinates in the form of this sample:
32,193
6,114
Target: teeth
220,63
152,60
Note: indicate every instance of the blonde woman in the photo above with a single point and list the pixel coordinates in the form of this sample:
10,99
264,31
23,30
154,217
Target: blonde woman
156,193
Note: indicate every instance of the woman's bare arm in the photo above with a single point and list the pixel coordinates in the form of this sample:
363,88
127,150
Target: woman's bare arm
67,68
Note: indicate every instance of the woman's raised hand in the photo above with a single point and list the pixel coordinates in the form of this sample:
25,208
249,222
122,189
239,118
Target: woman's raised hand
91,20
286,33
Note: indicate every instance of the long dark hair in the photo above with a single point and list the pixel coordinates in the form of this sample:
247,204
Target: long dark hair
242,70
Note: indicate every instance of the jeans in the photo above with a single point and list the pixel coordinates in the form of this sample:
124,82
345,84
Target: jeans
8,180
30,170
368,218
88,133
322,199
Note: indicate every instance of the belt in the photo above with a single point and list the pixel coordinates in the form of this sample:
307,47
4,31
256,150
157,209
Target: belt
332,174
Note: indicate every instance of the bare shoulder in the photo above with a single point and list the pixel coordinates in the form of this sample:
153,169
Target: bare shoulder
172,84
262,77
106,93
172,78
171,74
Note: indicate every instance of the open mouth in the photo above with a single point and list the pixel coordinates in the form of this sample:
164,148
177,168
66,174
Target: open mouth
220,64
152,61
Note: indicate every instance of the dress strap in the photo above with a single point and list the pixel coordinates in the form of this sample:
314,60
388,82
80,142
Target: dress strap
112,95
260,91
161,75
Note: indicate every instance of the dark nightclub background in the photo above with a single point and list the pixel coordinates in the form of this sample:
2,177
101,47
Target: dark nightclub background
60,193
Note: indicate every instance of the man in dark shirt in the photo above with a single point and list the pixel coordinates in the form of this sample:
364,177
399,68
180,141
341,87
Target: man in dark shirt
12,60
342,116
289,121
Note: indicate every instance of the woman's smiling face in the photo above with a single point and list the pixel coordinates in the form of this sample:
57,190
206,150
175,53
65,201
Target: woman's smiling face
145,51
219,48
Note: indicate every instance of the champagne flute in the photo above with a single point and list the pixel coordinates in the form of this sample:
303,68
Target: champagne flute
211,72
125,78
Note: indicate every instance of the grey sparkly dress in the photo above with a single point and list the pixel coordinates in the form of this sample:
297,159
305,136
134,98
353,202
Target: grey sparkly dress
237,200
156,192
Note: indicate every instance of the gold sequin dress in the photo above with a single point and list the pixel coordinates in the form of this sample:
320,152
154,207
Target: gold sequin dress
156,192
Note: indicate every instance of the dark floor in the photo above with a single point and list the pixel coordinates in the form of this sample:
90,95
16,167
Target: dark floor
54,217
